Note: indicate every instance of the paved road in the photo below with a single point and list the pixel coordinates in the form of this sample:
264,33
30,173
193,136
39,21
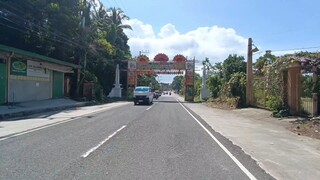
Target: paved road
162,141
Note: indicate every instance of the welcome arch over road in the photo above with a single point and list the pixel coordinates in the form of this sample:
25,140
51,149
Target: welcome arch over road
162,65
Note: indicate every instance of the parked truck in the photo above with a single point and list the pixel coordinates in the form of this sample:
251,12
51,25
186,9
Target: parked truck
142,95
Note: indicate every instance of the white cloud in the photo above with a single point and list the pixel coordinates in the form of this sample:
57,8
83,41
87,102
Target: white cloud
140,30
168,30
214,42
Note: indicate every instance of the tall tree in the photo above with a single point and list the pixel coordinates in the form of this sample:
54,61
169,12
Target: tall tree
233,64
266,59
149,80
178,83
117,17
115,34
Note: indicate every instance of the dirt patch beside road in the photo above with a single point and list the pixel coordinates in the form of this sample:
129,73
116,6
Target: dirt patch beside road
310,128
222,104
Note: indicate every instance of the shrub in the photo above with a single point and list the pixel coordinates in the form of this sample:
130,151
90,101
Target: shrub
274,102
237,87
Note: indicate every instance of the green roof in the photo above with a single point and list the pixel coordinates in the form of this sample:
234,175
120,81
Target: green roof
37,56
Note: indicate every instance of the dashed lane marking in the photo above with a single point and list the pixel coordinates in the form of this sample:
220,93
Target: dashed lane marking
102,142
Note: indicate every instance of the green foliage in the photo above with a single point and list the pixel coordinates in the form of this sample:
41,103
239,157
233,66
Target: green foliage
231,65
264,60
90,77
149,80
214,85
259,84
316,85
269,83
98,92
228,79
274,102
307,85
197,85
178,84
206,63
217,70
53,7
274,77
237,87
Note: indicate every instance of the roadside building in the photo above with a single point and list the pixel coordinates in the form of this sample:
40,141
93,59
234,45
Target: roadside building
27,76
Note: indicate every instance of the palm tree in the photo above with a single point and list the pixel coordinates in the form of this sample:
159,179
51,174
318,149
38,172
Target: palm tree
117,16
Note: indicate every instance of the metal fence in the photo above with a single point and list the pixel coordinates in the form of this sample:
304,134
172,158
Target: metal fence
306,103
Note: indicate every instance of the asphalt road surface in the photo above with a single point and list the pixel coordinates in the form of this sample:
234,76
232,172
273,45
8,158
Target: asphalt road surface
162,141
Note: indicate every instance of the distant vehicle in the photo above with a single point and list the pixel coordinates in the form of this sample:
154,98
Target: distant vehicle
142,94
156,94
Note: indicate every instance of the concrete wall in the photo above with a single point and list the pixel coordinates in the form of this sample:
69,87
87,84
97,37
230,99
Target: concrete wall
29,89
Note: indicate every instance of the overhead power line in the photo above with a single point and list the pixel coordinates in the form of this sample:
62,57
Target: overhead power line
294,49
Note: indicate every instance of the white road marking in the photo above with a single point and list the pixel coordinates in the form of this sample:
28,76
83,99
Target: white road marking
149,108
101,143
245,170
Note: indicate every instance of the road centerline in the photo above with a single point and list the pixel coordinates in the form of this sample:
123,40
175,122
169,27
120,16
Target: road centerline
102,142
244,169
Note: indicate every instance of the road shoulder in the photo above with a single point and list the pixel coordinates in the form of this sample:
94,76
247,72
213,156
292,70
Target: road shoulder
281,153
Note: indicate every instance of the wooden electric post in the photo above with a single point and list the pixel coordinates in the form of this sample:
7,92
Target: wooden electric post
249,91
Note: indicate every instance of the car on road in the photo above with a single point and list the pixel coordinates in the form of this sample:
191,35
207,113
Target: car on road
142,95
156,94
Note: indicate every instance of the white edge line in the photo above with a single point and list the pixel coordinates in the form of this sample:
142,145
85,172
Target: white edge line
101,143
55,123
245,170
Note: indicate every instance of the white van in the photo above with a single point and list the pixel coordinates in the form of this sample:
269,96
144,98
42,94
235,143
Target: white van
142,94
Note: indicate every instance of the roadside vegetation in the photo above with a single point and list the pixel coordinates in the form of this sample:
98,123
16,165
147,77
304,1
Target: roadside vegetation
226,82
83,32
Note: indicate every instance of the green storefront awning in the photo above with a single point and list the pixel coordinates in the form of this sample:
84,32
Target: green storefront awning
37,56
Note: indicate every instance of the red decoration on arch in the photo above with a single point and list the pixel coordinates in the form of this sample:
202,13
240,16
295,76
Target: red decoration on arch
142,59
179,58
161,57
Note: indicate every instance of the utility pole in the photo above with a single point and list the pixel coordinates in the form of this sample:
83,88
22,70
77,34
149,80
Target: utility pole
83,34
249,74
82,50
249,85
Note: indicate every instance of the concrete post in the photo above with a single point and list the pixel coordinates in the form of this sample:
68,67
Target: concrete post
204,92
294,84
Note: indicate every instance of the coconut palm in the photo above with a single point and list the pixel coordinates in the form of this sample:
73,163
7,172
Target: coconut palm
116,16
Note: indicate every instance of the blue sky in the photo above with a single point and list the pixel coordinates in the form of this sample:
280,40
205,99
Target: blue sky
215,29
